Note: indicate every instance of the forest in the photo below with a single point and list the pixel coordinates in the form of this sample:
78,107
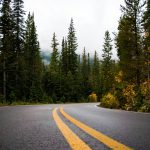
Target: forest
70,77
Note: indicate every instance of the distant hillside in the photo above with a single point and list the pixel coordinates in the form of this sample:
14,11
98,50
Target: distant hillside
45,56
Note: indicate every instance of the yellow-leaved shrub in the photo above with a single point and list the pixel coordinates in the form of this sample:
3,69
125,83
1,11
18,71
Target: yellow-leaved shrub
119,76
92,97
109,101
145,90
129,93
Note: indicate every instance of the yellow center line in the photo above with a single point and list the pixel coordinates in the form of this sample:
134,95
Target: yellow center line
96,134
74,141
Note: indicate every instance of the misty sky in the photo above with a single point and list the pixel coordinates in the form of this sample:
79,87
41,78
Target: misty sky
91,19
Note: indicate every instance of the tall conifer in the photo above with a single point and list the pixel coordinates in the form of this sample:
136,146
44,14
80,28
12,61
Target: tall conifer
6,48
72,47
107,63
32,61
129,41
146,23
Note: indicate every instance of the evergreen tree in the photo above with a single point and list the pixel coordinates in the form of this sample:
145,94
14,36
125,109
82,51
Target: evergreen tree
54,62
95,68
18,17
89,68
6,48
1,66
124,49
107,48
96,75
146,23
70,86
63,70
64,56
85,71
84,65
107,76
54,68
129,41
33,62
70,65
72,47
89,64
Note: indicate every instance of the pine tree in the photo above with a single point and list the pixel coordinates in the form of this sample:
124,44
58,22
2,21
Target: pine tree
54,62
89,68
33,62
70,62
124,49
107,78
96,74
84,65
146,23
72,47
129,41
107,48
18,17
95,68
69,86
1,66
54,68
6,48
85,72
89,64
64,55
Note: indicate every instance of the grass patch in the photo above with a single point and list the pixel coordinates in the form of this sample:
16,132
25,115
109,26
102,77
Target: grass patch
22,103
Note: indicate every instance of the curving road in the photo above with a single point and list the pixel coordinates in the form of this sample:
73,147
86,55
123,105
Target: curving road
45,127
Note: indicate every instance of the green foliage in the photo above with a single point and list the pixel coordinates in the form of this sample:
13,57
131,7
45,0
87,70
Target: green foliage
71,49
83,100
129,41
95,75
50,100
70,77
85,74
12,97
146,42
2,98
107,48
109,101
18,41
145,90
119,86
6,49
54,62
145,107
36,94
64,57
63,99
32,62
107,64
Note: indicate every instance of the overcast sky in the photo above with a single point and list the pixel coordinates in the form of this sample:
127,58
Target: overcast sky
91,19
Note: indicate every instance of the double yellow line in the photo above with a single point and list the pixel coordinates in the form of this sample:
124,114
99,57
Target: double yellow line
75,142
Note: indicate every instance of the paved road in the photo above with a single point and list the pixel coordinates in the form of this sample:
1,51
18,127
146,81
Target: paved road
40,128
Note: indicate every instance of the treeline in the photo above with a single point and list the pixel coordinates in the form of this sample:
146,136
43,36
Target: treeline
21,67
132,82
71,77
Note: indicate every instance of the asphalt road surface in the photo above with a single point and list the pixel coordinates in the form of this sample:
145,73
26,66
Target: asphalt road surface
72,126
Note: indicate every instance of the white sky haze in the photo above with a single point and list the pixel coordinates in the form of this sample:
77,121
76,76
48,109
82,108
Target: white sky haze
91,19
